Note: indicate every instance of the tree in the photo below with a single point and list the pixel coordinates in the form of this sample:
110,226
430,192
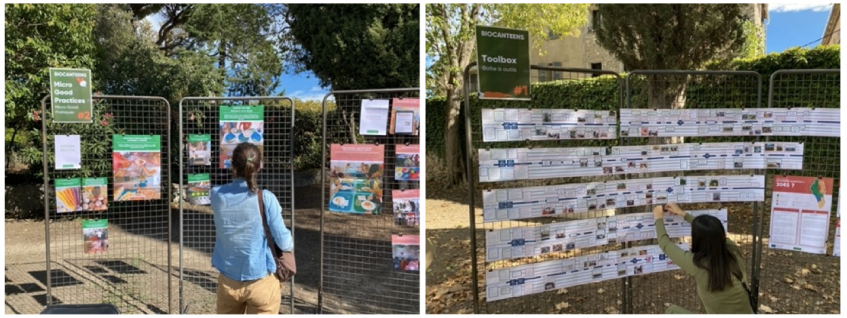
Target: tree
40,36
670,37
356,46
450,29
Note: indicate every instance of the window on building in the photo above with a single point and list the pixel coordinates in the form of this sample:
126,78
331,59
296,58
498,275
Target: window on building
542,75
596,66
595,19
551,35
557,75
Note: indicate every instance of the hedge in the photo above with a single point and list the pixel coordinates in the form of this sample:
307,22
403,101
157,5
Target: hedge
602,93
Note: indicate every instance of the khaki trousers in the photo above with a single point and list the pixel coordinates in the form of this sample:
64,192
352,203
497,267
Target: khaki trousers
677,310
260,296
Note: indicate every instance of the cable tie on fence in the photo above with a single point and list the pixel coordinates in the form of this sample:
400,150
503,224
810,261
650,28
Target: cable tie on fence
402,189
406,143
400,234
376,142
401,97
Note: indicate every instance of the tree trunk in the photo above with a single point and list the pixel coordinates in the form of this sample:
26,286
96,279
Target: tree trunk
455,163
11,147
663,93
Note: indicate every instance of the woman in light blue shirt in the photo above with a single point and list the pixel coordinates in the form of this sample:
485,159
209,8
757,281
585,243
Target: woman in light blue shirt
246,283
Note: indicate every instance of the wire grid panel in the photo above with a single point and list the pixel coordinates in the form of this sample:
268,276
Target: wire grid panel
201,116
693,90
814,89
597,298
357,267
132,272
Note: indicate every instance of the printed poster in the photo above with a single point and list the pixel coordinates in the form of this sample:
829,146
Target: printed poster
199,186
406,250
374,117
95,194
408,165
70,95
240,124
136,164
95,236
405,116
504,68
356,172
200,150
407,207
800,213
836,247
68,198
67,150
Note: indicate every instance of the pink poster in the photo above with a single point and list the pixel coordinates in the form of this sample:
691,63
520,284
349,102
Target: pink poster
407,207
408,164
356,172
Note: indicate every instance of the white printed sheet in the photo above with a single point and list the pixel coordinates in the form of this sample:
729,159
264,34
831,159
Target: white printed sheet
515,124
551,275
532,202
821,122
530,241
543,163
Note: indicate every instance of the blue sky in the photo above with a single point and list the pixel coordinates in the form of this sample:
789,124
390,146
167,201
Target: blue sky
797,24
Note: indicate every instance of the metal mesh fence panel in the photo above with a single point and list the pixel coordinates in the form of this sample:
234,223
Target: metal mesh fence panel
202,116
598,298
810,89
129,264
652,293
357,273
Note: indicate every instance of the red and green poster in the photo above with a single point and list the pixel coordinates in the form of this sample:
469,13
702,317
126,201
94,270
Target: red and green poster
800,212
136,165
503,69
70,95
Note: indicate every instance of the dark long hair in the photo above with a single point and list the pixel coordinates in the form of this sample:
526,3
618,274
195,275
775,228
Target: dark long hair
246,161
708,243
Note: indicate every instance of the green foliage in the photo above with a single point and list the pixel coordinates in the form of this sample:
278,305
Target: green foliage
754,44
357,46
670,36
308,123
541,19
819,57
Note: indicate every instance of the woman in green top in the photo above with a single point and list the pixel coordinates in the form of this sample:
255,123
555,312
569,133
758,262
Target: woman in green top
714,262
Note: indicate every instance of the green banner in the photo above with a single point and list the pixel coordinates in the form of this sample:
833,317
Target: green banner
199,138
67,183
503,69
200,177
95,224
243,113
92,182
70,93
139,143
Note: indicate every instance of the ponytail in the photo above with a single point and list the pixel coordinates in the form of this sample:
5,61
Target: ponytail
246,162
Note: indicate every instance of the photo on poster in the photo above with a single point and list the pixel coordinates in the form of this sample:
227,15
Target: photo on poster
95,194
406,250
405,116
136,165
356,184
68,198
374,117
240,124
200,150
407,207
199,186
67,152
408,165
95,236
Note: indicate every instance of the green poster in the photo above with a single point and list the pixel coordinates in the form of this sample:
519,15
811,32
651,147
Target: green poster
240,124
68,198
503,57
70,93
199,186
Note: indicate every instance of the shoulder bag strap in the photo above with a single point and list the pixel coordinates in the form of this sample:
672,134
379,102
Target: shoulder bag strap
265,225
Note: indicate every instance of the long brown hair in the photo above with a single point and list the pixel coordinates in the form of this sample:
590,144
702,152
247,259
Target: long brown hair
246,161
708,243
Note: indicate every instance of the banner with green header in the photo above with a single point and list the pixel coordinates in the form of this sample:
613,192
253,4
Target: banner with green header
70,95
199,187
243,113
68,196
199,177
137,143
199,138
503,69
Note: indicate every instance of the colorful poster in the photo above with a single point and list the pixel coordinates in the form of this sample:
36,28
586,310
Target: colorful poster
200,150
95,236
356,172
374,117
406,250
240,124
70,93
836,247
67,150
136,164
408,165
503,56
405,116
407,207
199,186
800,212
68,198
94,194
